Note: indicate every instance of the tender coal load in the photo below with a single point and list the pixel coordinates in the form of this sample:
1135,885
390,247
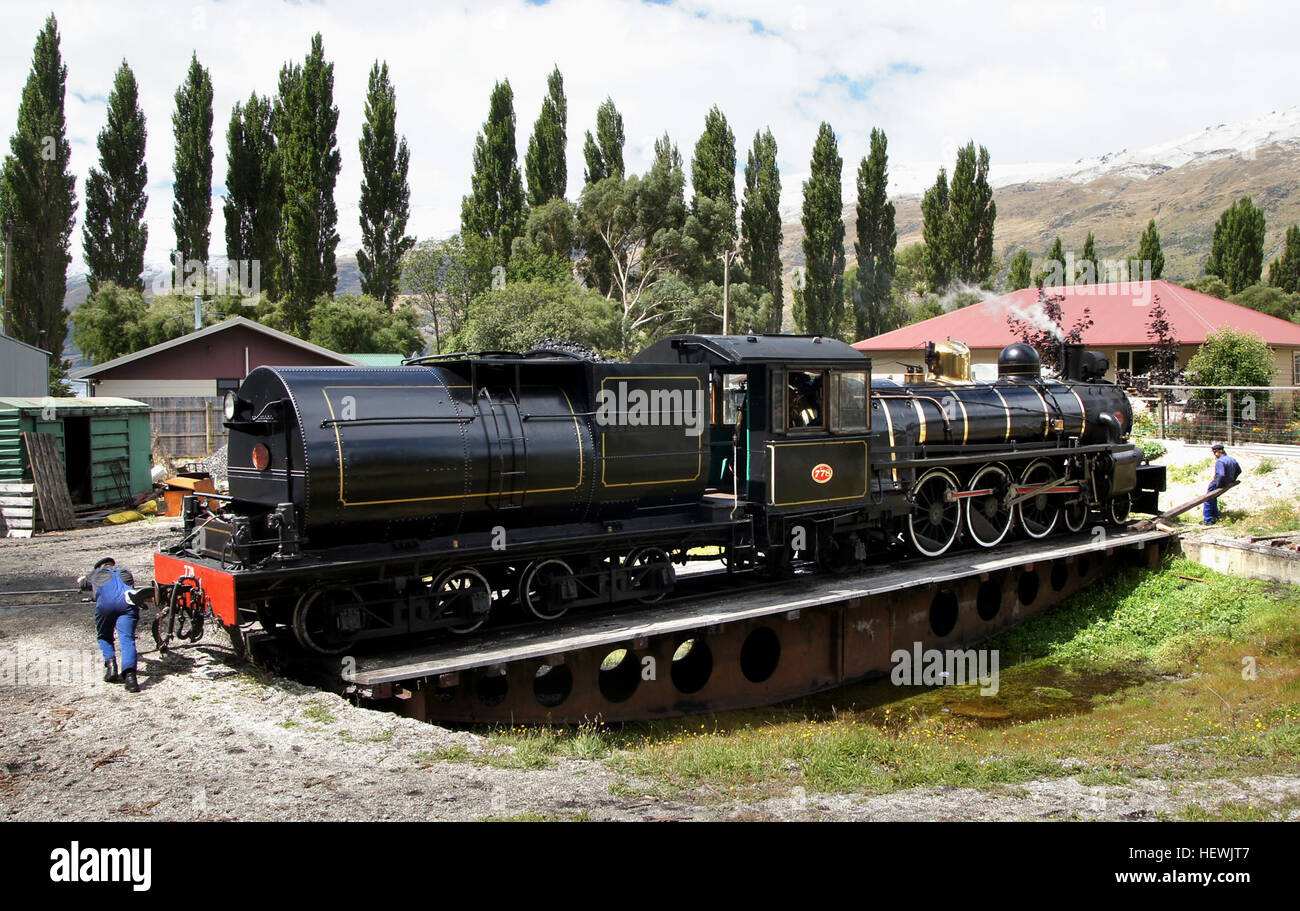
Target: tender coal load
577,349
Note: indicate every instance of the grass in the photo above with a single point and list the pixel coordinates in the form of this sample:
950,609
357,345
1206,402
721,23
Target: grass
1167,649
1266,466
1273,518
318,713
1185,474
1140,675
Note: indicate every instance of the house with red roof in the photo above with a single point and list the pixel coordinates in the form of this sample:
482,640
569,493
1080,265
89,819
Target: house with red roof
1120,312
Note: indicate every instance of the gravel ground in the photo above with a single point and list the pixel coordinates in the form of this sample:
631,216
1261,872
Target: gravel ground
1256,490
209,739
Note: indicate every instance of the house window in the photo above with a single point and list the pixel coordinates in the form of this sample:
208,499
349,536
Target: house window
224,386
1136,361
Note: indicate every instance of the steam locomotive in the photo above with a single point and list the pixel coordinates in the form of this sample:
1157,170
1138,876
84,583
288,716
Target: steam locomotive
371,503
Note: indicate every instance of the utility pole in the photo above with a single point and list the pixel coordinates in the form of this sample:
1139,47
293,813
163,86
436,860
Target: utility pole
727,257
9,271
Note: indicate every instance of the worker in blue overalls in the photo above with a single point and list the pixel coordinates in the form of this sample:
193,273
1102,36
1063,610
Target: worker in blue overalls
115,612
1226,472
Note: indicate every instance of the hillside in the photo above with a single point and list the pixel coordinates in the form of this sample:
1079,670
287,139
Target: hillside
1184,185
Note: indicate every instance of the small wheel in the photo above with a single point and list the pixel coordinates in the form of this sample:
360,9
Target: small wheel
317,620
988,517
535,586
1118,509
1039,513
935,517
463,593
1075,514
650,563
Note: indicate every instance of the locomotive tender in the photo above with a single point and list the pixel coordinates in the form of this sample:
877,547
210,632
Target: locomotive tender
368,503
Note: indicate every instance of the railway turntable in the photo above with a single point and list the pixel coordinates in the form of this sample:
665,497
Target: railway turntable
723,650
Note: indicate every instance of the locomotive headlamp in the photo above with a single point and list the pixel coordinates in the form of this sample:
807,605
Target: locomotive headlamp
261,457
231,405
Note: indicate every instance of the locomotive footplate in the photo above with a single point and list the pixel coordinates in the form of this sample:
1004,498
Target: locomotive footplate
739,650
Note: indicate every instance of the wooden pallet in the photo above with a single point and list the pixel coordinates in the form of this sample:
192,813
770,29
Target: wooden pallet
51,481
18,509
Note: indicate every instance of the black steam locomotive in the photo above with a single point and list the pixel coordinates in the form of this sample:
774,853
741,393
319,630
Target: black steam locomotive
378,502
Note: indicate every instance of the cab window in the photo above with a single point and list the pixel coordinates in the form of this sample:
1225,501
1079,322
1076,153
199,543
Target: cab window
805,399
851,406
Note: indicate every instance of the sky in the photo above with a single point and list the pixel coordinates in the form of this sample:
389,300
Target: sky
1040,84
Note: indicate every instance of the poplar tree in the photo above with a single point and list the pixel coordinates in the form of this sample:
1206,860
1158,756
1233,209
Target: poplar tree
713,179
38,202
603,154
1052,277
820,303
936,231
1020,273
545,165
385,192
306,122
1149,251
973,212
254,189
760,222
604,151
114,234
494,209
1089,257
877,238
192,204
1237,252
1284,272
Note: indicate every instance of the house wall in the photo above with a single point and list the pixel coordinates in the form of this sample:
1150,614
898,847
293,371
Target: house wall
24,371
149,389
223,355
889,363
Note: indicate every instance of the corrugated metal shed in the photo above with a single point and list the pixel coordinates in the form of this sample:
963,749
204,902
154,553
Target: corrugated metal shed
24,370
93,434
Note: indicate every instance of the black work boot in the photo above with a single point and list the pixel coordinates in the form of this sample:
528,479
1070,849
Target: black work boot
128,679
110,671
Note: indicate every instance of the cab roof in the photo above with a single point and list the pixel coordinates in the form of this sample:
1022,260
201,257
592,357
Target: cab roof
749,349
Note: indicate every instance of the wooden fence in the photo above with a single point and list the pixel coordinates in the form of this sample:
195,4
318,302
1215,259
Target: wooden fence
186,426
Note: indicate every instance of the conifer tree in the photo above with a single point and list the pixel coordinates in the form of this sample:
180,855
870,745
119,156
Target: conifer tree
385,192
1237,252
254,190
114,234
494,208
192,205
760,222
819,305
547,170
877,238
306,122
38,202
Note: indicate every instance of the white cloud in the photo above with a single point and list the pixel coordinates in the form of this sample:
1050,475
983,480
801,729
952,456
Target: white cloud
1032,82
